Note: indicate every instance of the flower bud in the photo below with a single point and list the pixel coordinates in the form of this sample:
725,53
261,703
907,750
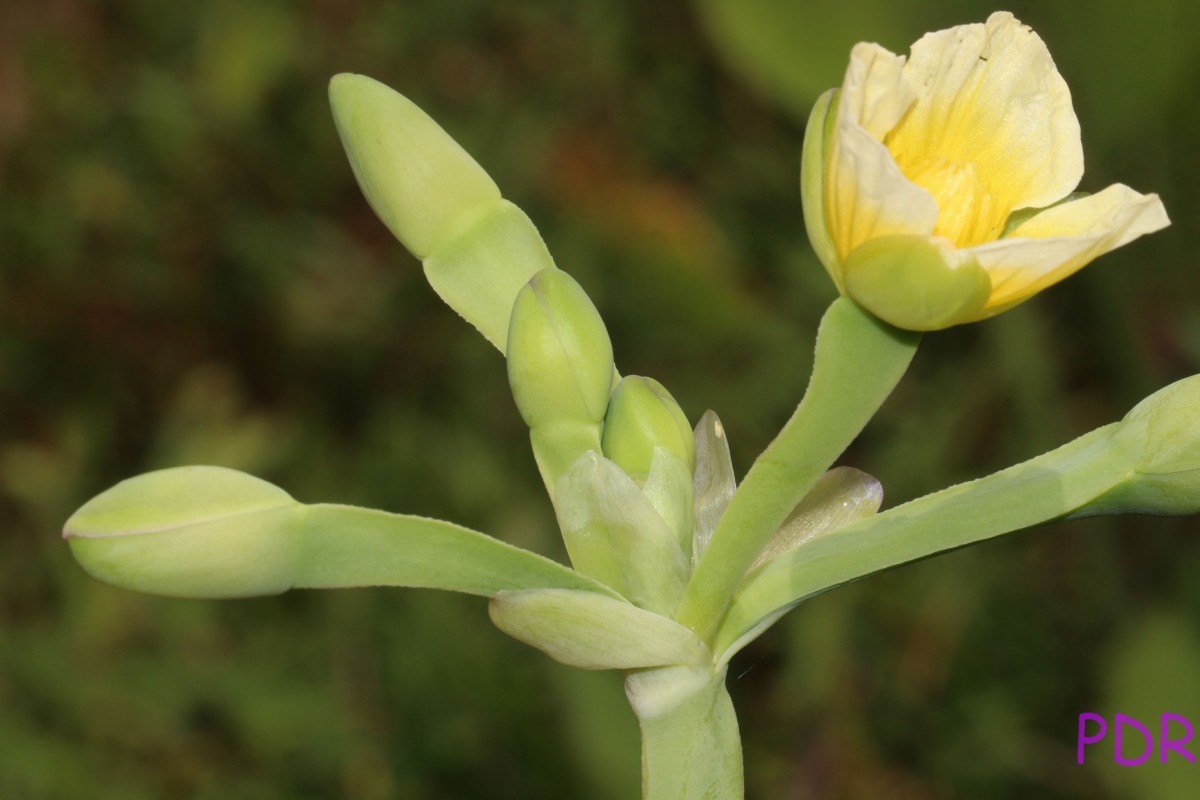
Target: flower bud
560,360
1160,438
916,282
189,532
418,180
641,416
840,496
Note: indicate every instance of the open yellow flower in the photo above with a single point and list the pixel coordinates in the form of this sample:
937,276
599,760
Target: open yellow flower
938,188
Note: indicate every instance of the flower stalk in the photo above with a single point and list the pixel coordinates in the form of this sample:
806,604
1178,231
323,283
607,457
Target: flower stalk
857,363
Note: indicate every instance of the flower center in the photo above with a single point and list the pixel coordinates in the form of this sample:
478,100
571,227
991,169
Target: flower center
967,211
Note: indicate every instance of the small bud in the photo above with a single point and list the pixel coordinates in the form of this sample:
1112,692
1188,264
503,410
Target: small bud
1160,438
916,282
840,496
419,181
189,532
641,416
560,360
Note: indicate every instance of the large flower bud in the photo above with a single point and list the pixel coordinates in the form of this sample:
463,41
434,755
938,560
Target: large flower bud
190,532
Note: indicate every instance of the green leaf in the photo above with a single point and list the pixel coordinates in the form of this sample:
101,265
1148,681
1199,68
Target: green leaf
591,631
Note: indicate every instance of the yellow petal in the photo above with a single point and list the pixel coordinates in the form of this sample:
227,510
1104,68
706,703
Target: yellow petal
991,127
1060,240
875,93
866,193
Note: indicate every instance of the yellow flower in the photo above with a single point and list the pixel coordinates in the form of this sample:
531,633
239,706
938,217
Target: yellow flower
938,188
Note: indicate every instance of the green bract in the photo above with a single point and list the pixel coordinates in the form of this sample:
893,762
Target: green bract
614,534
916,282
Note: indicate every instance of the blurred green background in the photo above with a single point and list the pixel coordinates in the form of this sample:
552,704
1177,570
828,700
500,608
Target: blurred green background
188,274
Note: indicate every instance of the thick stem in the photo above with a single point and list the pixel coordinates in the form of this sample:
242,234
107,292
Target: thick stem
858,361
691,749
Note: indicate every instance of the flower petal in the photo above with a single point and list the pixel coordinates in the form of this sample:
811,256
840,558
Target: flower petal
875,93
989,96
1062,239
866,193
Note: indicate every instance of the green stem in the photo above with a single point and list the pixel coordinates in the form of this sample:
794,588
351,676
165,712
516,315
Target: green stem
858,361
691,749
1053,485
348,546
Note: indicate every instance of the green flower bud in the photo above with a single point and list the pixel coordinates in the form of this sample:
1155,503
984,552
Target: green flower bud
916,282
560,360
840,496
189,532
1160,438
641,416
419,181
